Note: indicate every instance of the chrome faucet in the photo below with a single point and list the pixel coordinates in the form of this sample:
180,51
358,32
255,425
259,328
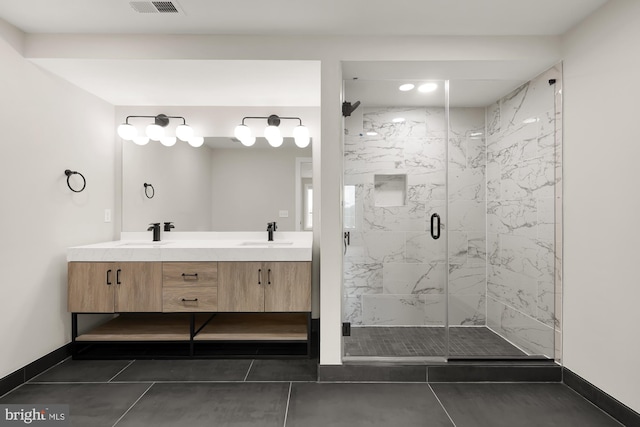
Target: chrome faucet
271,227
155,227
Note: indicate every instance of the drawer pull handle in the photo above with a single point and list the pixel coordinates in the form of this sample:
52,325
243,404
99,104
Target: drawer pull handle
194,275
189,300
118,282
268,276
109,277
259,276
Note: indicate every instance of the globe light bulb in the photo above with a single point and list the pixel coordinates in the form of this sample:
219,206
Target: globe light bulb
127,132
154,132
301,136
168,141
184,132
141,140
242,132
196,141
249,141
272,133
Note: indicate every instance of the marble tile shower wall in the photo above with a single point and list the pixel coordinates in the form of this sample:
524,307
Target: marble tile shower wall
394,271
521,189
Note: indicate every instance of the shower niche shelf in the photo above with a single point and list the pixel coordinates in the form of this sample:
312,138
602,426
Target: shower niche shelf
390,190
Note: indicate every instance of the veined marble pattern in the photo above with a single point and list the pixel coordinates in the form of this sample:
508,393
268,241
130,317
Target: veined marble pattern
381,120
393,310
390,190
424,155
529,334
362,279
395,218
467,309
517,217
405,279
513,289
365,155
467,280
352,310
421,248
523,182
466,183
529,256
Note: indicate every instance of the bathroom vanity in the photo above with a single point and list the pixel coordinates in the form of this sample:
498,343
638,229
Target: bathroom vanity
199,290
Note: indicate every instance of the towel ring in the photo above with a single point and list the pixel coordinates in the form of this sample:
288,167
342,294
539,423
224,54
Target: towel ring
146,188
69,173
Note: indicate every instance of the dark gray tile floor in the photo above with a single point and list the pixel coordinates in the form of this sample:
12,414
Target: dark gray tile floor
285,393
427,342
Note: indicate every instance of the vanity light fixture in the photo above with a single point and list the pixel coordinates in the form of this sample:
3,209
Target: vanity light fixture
156,131
272,132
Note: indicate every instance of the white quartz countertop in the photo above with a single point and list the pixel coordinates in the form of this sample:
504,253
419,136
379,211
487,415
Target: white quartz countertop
199,246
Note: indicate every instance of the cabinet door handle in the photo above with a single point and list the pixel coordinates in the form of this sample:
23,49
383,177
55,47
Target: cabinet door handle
108,276
194,275
189,300
268,276
259,276
118,282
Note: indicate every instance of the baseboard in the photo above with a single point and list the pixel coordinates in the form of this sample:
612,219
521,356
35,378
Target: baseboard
601,399
33,369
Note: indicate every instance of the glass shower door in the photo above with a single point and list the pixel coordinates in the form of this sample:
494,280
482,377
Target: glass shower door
395,260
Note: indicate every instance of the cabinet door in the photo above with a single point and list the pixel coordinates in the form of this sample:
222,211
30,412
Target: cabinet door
138,287
91,286
241,286
288,286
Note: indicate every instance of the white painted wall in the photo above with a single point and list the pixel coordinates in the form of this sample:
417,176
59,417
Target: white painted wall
602,200
47,126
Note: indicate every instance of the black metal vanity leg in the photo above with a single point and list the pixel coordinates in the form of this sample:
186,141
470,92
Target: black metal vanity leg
309,335
192,333
74,332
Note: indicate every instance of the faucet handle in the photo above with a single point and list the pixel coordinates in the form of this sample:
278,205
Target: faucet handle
168,226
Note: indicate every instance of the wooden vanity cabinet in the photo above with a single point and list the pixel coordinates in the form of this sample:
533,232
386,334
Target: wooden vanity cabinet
110,287
264,286
189,287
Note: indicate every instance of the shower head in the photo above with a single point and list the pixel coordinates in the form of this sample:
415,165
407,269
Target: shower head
347,108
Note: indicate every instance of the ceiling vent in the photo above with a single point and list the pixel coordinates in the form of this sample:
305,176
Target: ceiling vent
155,6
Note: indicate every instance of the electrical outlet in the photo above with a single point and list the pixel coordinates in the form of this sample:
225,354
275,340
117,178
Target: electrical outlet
284,214
107,215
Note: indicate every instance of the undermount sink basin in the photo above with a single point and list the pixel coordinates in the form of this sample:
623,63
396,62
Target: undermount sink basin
144,243
266,243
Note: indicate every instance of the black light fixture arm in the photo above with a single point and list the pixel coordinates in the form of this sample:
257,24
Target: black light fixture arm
274,119
160,119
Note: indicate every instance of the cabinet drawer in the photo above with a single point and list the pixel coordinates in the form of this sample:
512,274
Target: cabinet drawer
189,274
189,298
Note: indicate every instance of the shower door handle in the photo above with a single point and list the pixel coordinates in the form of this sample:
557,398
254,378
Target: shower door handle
435,226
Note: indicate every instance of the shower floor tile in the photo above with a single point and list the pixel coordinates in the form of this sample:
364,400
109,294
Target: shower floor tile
427,342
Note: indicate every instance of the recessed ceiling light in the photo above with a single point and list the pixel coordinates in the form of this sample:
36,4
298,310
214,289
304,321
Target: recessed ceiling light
427,87
406,87
371,133
398,120
530,120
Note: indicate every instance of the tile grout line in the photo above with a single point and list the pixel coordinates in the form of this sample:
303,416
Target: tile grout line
132,405
248,370
286,411
443,408
120,371
46,370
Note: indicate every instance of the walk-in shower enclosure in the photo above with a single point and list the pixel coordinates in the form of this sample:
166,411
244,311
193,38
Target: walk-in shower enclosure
452,220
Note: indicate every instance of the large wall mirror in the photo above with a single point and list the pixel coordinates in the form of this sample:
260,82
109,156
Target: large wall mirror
221,186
